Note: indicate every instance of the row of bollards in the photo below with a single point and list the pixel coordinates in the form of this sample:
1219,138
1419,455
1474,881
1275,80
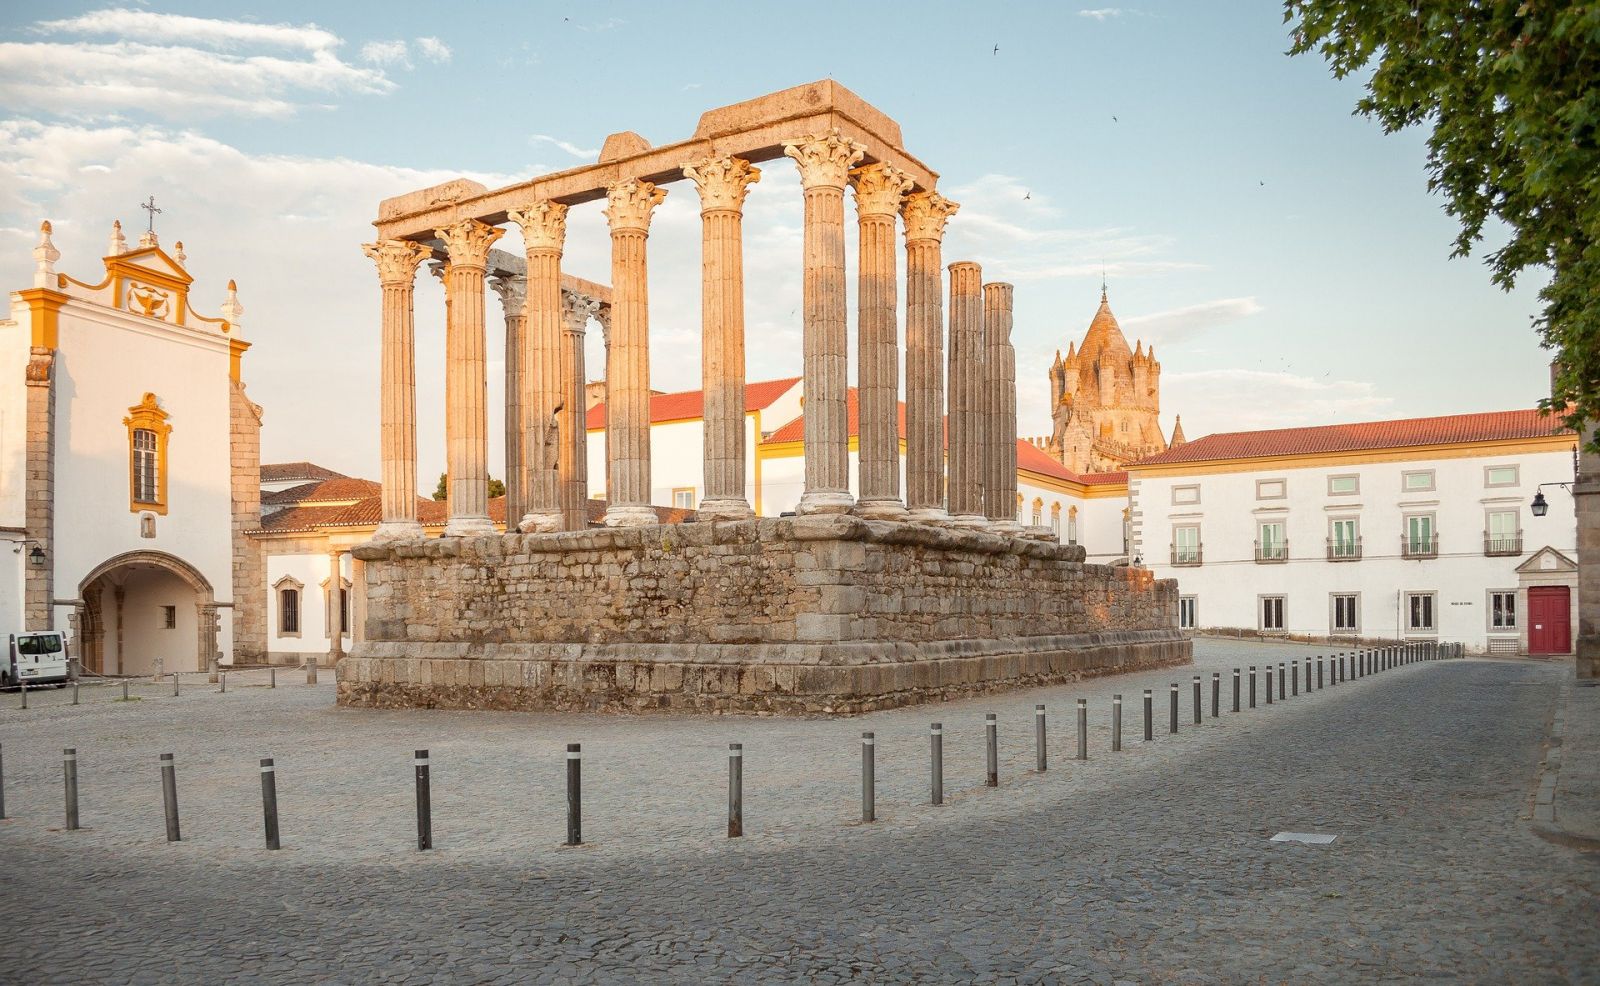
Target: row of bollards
222,680
1338,669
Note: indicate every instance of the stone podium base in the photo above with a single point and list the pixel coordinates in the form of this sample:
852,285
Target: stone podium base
821,614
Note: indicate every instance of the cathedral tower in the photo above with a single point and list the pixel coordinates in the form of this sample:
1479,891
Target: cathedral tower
1105,399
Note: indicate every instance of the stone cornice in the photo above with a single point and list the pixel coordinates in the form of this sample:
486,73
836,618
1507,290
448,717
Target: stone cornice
722,181
880,189
925,215
825,159
544,225
468,242
397,260
629,204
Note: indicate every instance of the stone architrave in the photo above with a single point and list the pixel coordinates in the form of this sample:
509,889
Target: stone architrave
967,389
513,292
544,231
1000,451
466,413
879,191
825,161
723,183
629,204
397,262
925,215
572,421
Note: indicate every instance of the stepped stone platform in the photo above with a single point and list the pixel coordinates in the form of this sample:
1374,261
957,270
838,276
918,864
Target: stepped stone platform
819,614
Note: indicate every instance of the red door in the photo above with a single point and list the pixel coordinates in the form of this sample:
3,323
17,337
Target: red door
1549,620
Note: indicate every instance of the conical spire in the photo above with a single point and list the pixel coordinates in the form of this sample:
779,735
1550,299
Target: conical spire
1177,432
1104,335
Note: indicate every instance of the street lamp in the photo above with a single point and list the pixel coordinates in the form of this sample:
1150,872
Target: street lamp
1540,507
36,557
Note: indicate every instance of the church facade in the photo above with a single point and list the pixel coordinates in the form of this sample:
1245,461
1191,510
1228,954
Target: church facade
1105,400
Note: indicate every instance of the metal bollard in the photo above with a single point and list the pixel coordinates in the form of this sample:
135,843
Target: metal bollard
1083,729
1269,684
574,794
269,800
735,790
869,808
991,731
272,677
23,689
2,782
1252,686
1308,676
74,693
936,761
1116,723
174,684
124,689
169,795
1197,700
1038,738
1216,694
1172,702
1294,678
1282,680
311,675
69,771
1236,689
222,679
421,764
1340,679
1149,725
1319,672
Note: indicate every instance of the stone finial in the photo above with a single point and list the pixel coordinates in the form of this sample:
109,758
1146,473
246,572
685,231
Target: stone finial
925,214
45,256
544,224
468,242
825,159
630,202
397,260
178,254
577,309
119,243
513,292
723,181
880,189
147,239
231,309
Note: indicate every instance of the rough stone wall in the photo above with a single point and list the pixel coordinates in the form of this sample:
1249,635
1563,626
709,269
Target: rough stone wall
1586,494
249,564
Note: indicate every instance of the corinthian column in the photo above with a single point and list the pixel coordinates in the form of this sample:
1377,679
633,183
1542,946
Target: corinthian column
879,191
466,423
1000,446
572,464
397,433
629,205
513,292
925,216
967,387
723,182
825,161
544,229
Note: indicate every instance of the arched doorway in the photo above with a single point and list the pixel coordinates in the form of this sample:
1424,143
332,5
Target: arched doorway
146,609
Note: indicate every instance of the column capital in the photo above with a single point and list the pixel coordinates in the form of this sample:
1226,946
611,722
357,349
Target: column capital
723,181
513,292
397,260
576,310
468,242
825,159
925,214
544,224
629,204
879,188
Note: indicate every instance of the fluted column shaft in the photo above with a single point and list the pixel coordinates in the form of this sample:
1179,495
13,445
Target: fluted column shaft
879,190
397,433
544,229
1000,446
513,292
722,183
628,209
466,417
925,216
336,607
967,389
825,161
572,421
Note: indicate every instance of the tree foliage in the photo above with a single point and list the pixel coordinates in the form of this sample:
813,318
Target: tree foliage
442,491
1511,89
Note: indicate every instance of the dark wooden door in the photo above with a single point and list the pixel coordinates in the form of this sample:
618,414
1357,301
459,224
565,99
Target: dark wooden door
1549,620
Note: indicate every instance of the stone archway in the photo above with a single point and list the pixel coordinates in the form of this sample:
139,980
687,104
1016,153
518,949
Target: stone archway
141,606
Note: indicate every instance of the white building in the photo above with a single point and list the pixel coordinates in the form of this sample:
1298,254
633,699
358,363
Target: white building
127,460
1409,529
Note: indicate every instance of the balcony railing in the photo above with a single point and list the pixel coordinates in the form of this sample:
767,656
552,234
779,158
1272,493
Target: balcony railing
1344,549
1272,552
1419,546
1502,544
1186,556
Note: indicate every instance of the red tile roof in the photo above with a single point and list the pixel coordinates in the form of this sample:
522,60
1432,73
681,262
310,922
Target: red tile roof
688,405
1402,433
278,472
343,488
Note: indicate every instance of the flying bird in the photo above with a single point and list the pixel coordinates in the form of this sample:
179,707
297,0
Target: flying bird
1114,120
996,50
1027,196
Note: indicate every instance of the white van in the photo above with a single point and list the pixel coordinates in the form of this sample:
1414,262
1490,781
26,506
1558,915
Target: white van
37,658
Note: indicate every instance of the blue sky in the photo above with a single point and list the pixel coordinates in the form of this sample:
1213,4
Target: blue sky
1284,256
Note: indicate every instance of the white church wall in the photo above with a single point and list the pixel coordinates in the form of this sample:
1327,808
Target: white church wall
309,571
15,338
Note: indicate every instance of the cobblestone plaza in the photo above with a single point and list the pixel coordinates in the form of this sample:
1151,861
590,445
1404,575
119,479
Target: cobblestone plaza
1149,865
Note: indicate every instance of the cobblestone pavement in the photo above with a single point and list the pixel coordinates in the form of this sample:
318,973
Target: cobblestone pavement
1150,865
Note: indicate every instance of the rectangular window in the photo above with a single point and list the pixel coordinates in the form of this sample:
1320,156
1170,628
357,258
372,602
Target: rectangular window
1272,613
1503,610
1072,528
1344,485
1343,542
1038,513
683,499
1185,495
1419,612
289,611
1187,607
1186,545
1272,546
1500,476
146,485
344,611
1419,481
169,617
1419,538
1271,489
1502,534
1055,521
1345,612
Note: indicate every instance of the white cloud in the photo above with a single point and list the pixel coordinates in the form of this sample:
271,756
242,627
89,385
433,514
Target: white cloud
434,50
385,53
1101,14
1176,325
588,153
1247,400
610,23
143,25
